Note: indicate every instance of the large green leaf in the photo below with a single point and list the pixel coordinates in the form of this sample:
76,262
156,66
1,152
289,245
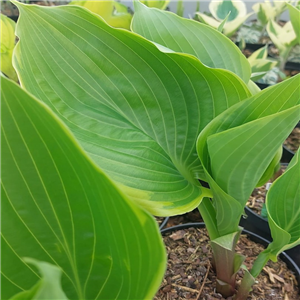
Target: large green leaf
283,208
58,207
188,36
237,147
135,110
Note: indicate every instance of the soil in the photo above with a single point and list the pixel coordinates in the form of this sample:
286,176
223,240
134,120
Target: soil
293,141
190,276
190,217
258,196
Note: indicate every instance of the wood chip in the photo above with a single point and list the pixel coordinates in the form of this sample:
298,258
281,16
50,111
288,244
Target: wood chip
185,288
286,297
280,279
178,235
203,283
270,274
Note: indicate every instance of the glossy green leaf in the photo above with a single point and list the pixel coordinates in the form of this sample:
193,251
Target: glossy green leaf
238,146
114,13
48,287
7,44
220,9
295,20
135,110
188,36
59,207
282,203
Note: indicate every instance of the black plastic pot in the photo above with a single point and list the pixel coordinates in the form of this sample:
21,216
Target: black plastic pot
294,66
262,86
252,47
252,236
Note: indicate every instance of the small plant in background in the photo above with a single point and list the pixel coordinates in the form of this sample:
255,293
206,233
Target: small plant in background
7,45
255,32
268,10
284,38
232,12
114,13
260,64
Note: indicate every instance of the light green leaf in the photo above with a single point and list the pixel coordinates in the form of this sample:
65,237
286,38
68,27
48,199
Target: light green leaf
261,53
229,28
238,146
114,13
282,203
253,88
7,44
221,26
160,4
59,207
259,63
268,11
260,67
48,287
295,20
208,45
180,8
282,37
221,9
135,110
262,14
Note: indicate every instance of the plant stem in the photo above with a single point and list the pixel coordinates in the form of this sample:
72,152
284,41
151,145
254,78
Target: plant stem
249,277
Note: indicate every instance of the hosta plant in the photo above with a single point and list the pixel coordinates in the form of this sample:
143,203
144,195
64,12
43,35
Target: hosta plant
269,10
284,38
233,13
260,64
64,213
160,108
